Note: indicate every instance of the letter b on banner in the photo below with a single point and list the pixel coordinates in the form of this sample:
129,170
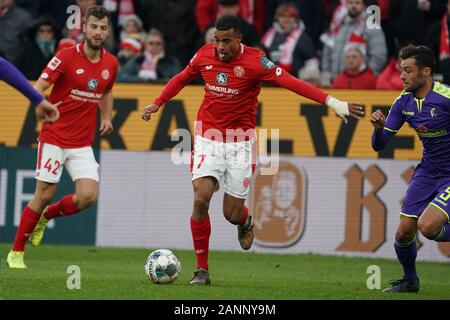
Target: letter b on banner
356,202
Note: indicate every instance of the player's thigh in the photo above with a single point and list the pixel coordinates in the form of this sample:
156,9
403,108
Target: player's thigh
437,213
50,163
207,161
204,188
81,164
422,188
239,169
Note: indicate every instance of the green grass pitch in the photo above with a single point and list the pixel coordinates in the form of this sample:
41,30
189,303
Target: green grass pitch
111,273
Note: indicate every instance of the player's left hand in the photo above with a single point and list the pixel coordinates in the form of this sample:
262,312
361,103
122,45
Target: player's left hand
106,127
47,112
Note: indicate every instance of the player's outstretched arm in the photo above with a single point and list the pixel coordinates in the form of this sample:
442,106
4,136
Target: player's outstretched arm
343,109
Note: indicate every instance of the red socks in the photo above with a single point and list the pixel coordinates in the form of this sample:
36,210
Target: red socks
28,221
201,230
64,207
244,216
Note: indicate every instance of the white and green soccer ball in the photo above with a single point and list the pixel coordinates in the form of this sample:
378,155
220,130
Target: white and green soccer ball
162,266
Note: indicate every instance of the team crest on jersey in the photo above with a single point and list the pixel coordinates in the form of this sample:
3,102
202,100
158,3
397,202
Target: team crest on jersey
266,63
422,129
433,113
239,71
221,78
105,74
92,84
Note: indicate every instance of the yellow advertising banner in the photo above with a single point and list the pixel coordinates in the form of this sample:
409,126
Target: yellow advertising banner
305,128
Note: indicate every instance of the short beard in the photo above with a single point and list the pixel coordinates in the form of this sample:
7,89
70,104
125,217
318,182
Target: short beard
94,47
354,14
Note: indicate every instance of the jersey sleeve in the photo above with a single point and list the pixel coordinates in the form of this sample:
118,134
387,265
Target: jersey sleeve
395,120
264,69
393,123
54,69
178,82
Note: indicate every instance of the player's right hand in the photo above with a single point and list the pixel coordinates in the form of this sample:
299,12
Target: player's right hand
377,119
47,112
147,113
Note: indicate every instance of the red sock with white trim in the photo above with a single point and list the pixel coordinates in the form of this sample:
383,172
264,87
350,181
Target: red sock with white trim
201,230
64,207
244,216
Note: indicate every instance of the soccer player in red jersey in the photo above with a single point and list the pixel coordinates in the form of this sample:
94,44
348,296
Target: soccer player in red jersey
224,133
82,77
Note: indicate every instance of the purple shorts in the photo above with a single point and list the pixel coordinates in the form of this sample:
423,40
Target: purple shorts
426,188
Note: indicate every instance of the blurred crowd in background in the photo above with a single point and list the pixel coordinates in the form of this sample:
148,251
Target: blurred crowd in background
329,43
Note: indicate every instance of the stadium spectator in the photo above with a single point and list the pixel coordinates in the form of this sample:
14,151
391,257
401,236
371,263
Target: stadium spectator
252,11
57,9
411,18
353,28
311,13
288,43
249,35
357,75
129,49
389,78
39,45
133,28
65,43
176,20
439,40
13,20
154,65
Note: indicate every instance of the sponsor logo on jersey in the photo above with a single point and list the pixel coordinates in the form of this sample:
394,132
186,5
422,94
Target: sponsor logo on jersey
421,128
266,63
45,75
221,78
279,206
208,67
246,182
278,71
79,71
433,113
92,84
239,71
408,113
105,74
54,63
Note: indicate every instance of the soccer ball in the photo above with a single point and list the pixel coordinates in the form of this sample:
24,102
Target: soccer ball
162,266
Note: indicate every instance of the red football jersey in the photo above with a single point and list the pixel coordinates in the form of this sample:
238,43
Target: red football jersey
232,87
79,84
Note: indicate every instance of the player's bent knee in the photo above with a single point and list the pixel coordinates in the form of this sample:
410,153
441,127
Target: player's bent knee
429,229
404,237
86,199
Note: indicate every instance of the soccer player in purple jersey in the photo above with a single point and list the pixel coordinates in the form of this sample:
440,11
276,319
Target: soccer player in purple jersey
45,111
425,105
